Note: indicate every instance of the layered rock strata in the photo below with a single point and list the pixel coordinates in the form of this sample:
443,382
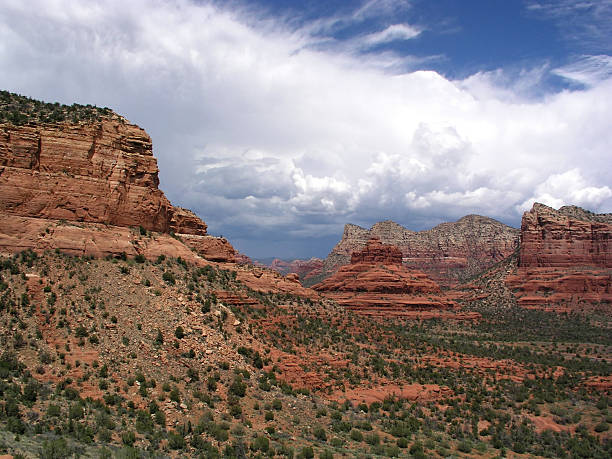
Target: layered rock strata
448,253
90,186
377,283
565,259
89,173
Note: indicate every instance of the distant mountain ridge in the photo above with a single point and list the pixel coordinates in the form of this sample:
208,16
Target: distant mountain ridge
449,252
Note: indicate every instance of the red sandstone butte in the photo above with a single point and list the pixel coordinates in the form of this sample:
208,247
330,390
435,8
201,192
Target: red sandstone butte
564,260
376,283
101,172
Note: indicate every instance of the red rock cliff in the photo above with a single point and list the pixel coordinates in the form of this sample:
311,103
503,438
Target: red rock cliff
305,269
100,172
564,259
566,237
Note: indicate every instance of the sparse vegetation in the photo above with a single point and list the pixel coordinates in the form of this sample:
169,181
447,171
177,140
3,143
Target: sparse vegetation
20,110
253,379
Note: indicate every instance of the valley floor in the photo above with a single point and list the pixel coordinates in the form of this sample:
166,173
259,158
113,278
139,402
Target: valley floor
131,358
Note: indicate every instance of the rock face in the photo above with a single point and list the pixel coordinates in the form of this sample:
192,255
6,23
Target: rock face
305,269
564,260
377,253
448,253
565,238
99,240
102,172
377,283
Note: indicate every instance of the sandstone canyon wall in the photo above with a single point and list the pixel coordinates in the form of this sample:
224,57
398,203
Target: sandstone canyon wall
565,259
448,253
60,182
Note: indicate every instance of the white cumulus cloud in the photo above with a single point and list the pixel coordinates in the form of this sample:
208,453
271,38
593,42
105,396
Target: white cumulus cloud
568,188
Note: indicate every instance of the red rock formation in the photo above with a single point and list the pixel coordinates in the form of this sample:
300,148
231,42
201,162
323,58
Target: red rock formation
243,259
448,253
564,260
21,233
102,172
305,269
91,188
265,280
184,221
377,253
376,283
210,247
565,238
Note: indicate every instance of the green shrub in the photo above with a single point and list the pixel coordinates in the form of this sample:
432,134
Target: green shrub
175,395
319,433
464,446
176,440
169,278
602,427
159,339
306,453
53,411
238,387
144,423
81,332
15,425
30,391
260,443
76,411
128,438
160,418
55,449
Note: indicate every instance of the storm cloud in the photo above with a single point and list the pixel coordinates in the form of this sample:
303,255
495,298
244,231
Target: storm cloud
276,141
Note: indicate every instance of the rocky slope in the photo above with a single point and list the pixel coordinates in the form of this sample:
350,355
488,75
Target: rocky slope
448,253
90,172
565,259
376,283
111,358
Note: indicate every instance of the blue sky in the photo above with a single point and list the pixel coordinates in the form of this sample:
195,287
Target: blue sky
468,36
278,122
458,38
